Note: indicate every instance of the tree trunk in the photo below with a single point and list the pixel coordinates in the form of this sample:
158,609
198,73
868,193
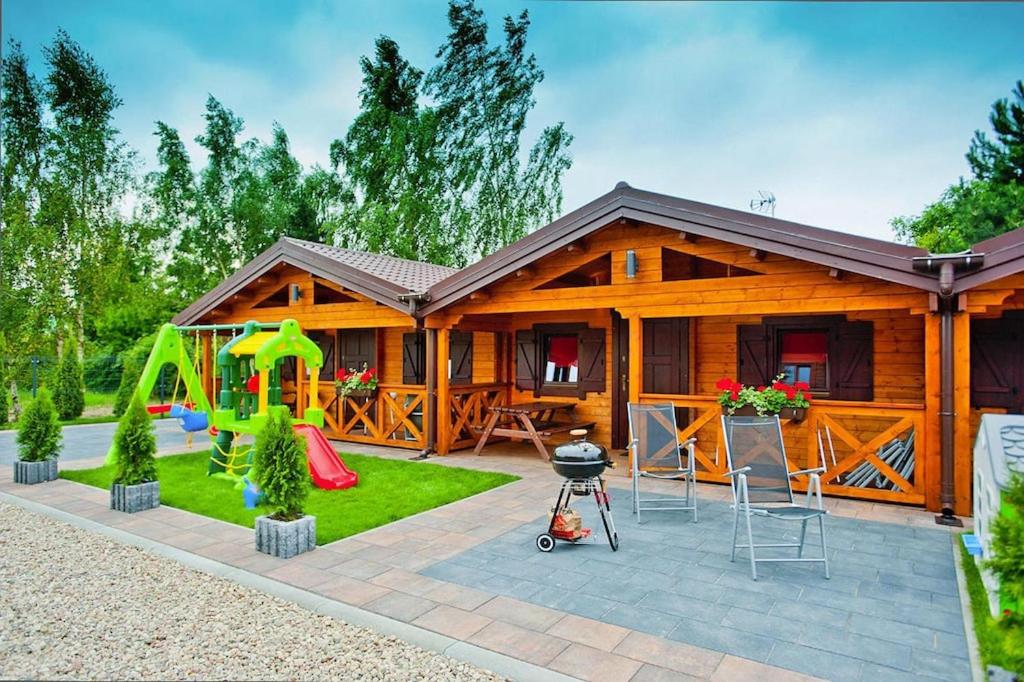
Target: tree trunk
80,332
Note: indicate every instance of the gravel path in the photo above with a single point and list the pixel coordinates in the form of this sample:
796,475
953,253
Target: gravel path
75,604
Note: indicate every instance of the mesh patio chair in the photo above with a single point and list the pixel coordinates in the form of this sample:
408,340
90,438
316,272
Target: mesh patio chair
657,453
761,486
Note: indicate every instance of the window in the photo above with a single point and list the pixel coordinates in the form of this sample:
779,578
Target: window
803,356
562,359
833,355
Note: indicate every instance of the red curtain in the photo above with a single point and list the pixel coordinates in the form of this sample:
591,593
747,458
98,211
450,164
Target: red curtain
562,350
804,347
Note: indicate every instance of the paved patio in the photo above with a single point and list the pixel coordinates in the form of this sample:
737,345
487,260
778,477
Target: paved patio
668,605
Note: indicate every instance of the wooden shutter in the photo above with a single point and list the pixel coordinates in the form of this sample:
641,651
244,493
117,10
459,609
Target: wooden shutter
592,361
358,347
753,350
527,378
995,363
326,344
666,351
414,358
461,358
852,361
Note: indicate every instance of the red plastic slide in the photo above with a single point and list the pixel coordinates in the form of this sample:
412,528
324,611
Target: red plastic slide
328,470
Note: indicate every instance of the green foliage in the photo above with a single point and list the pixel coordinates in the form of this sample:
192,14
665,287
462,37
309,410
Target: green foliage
5,405
280,469
135,445
1007,563
995,638
130,374
69,391
388,490
39,434
988,204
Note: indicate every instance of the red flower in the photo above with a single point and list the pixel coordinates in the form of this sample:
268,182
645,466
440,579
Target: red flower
373,371
790,393
724,384
779,386
734,394
760,389
366,377
802,386
340,375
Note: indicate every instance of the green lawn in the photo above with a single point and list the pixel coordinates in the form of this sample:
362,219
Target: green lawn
993,639
388,490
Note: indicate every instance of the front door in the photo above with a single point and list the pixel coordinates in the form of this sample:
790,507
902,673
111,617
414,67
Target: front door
997,363
620,380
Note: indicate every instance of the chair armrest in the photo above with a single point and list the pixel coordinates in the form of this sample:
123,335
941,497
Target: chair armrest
737,472
688,442
816,470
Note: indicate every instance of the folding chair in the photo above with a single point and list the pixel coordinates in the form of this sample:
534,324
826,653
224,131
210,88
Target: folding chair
657,453
761,486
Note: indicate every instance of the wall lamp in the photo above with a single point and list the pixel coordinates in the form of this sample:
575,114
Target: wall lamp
296,292
631,264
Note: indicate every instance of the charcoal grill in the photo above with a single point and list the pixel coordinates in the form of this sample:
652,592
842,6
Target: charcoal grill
581,463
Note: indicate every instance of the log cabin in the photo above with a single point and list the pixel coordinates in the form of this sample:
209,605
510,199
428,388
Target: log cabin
643,297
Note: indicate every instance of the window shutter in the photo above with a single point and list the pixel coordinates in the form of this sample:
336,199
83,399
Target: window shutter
666,363
326,344
526,360
461,357
852,359
414,358
994,363
753,344
592,361
358,347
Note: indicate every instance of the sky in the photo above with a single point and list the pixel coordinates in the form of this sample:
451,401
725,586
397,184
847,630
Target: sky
850,114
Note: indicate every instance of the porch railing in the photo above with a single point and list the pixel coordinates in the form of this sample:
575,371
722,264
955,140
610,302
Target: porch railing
854,433
467,411
394,416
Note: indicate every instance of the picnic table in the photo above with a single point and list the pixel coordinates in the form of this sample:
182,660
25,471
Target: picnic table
535,421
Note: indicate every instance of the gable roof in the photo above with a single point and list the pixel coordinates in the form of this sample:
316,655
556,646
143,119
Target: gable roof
851,253
1004,255
385,279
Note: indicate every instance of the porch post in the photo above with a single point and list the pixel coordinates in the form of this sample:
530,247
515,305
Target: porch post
963,454
932,401
444,425
635,359
430,409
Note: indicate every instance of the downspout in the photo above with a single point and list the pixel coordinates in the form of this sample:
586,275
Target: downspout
947,265
430,422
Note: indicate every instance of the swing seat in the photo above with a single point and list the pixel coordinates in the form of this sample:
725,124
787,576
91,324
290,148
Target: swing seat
191,421
160,409
174,409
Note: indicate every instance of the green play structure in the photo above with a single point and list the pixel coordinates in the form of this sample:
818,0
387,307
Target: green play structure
249,368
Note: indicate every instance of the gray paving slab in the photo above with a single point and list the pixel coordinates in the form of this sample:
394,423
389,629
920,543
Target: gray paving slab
88,441
890,611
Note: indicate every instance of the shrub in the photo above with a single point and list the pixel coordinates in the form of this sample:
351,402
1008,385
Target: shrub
39,434
279,465
1007,563
135,445
129,382
69,394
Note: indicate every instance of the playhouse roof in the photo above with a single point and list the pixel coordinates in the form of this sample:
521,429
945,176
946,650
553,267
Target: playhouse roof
384,279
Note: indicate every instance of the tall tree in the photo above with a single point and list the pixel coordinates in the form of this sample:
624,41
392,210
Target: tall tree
484,94
989,203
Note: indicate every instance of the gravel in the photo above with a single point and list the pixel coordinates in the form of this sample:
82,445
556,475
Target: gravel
78,605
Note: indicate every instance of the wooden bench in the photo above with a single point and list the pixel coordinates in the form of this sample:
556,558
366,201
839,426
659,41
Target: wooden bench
545,431
504,418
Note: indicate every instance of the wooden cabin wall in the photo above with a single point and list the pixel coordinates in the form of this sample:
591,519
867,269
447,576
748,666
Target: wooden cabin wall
484,367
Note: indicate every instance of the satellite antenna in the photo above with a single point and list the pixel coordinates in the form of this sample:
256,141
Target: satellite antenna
764,204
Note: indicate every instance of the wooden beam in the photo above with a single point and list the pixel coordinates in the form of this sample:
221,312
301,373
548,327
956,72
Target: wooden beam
635,363
266,280
627,221
576,247
481,295
524,273
835,273
931,464
443,412
688,237
962,450
757,254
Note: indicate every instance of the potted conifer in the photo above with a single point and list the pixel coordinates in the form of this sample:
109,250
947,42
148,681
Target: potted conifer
135,487
279,466
39,441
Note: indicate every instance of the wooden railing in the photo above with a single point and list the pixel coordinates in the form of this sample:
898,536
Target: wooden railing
394,416
467,411
853,431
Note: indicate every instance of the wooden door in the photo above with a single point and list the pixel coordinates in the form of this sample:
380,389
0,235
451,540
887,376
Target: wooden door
356,348
620,381
996,363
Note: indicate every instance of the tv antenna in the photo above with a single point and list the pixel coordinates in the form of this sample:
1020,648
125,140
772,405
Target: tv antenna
765,203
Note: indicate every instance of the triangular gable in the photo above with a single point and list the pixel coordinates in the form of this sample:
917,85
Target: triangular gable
594,272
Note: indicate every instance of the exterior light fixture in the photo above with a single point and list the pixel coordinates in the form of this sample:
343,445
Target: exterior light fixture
631,264
296,292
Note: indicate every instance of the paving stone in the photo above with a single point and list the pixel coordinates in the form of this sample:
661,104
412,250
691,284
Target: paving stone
816,662
351,591
512,640
756,623
893,631
400,606
735,669
586,663
584,605
679,657
518,613
726,640
458,596
453,622
938,665
306,577
641,619
653,673
589,632
364,569
858,646
688,608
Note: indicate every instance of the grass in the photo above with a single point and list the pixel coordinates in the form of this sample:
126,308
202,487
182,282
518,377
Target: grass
993,644
388,490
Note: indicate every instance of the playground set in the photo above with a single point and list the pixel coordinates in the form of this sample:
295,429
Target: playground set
249,368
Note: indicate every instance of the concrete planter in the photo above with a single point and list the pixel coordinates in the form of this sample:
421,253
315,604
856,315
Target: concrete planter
135,498
31,473
285,539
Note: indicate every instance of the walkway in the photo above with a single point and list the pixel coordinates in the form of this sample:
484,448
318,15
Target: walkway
89,441
668,605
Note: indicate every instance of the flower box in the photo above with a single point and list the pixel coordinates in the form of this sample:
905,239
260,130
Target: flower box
30,473
795,414
285,539
356,393
135,498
